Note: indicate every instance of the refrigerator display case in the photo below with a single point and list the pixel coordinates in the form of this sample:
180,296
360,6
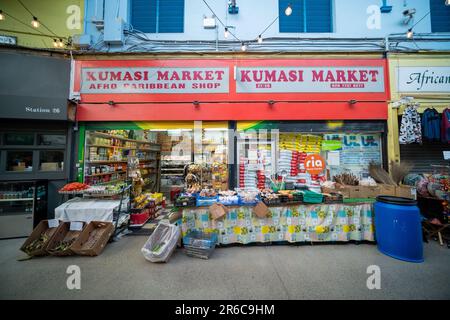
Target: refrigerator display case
22,205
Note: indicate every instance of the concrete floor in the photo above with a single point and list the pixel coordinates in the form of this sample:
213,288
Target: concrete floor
255,272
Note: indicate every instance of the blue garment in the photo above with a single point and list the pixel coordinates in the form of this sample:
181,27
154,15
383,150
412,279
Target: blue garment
431,125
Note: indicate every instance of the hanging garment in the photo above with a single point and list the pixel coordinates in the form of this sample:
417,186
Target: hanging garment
431,125
410,127
445,128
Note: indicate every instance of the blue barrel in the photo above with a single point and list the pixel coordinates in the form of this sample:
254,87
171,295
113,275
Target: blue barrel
398,228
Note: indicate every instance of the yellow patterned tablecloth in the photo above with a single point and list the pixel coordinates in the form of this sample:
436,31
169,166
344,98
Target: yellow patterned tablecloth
293,223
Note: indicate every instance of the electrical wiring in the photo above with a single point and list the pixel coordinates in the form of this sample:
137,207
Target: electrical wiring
40,21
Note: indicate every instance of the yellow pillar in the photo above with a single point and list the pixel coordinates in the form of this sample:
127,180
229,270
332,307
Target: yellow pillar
393,146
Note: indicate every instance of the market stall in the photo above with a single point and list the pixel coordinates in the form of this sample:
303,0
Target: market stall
292,223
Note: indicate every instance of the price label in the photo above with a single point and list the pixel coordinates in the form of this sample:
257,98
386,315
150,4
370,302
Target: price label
76,226
53,223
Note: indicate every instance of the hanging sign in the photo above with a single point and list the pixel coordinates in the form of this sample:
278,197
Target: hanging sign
423,79
154,80
314,164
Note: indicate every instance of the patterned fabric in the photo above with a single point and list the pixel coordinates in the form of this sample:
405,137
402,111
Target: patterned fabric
296,223
410,127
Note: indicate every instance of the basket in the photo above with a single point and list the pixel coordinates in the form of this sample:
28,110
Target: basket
200,244
162,243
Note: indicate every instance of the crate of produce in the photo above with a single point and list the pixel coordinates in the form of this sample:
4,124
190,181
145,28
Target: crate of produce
62,241
139,219
162,243
206,201
93,238
271,200
36,244
185,201
312,197
333,198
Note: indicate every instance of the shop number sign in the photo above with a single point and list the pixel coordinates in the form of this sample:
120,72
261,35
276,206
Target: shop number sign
314,164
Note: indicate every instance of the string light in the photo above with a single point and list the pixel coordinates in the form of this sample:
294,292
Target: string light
226,33
35,23
55,43
2,16
288,10
409,34
260,39
243,46
61,43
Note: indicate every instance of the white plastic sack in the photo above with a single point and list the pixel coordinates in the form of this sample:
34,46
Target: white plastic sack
161,243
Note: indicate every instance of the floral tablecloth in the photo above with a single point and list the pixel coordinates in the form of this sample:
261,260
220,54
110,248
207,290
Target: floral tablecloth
293,223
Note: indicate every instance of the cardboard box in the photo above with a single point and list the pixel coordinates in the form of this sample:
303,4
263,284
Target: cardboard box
387,190
40,229
261,210
63,233
217,211
93,239
364,192
406,192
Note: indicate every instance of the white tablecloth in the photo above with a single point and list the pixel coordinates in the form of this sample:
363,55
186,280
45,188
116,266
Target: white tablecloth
84,209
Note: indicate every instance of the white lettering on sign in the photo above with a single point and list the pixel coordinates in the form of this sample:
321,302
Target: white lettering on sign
154,80
423,79
310,79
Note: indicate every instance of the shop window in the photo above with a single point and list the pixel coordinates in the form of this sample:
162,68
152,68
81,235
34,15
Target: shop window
19,161
51,139
158,16
266,157
19,139
440,16
51,160
313,16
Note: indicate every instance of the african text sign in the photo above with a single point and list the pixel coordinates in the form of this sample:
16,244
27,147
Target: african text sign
310,79
423,79
154,80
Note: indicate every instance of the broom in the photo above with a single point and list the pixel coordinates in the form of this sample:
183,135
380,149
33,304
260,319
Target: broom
379,174
399,171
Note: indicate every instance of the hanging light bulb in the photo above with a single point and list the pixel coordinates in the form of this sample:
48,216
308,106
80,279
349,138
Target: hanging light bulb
243,46
260,39
55,43
226,33
61,43
409,34
35,23
2,16
288,10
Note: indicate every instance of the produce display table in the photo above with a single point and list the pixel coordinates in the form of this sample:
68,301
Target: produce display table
87,209
292,223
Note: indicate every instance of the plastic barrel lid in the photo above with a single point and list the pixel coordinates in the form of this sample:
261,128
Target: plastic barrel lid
397,200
